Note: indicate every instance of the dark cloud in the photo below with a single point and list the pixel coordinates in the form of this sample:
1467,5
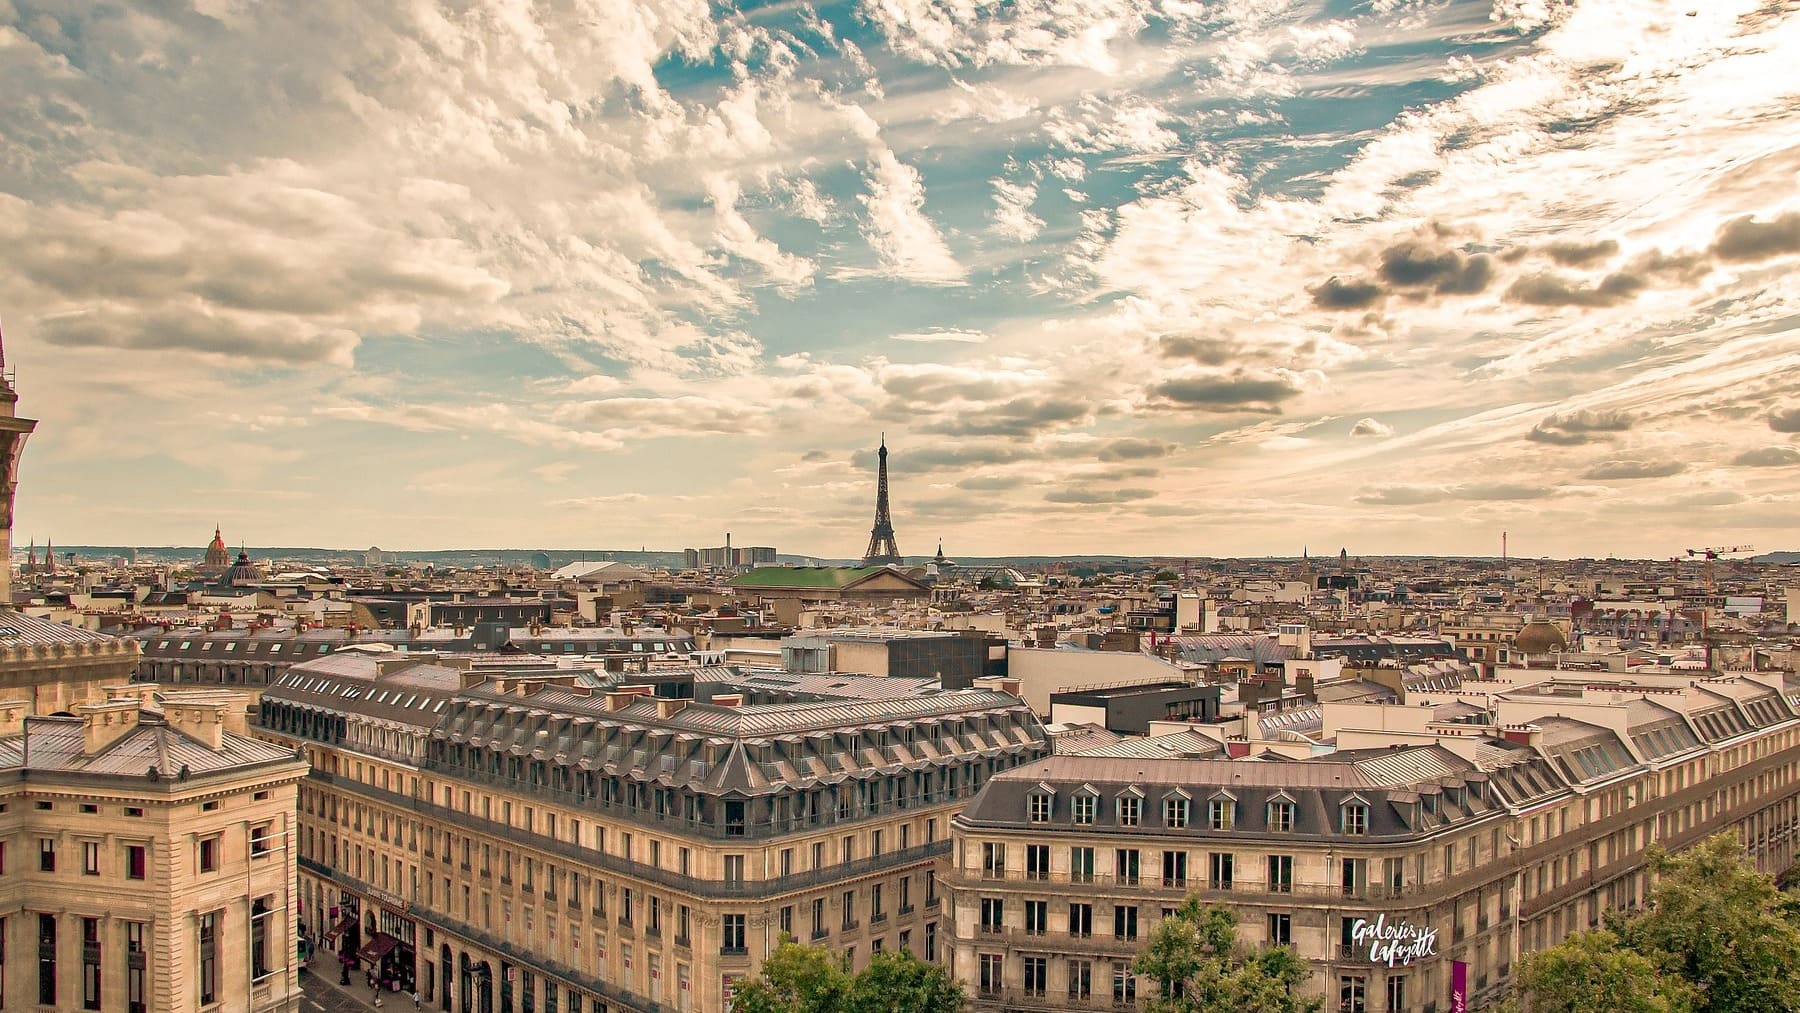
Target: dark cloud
1205,351
1132,448
1634,469
1578,254
1745,238
1581,426
1418,263
1091,496
1334,294
815,456
281,340
1785,418
1234,392
1020,417
1549,289
1768,457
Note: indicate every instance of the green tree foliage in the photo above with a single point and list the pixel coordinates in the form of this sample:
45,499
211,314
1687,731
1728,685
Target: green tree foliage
1715,937
1165,576
1593,972
1197,966
810,979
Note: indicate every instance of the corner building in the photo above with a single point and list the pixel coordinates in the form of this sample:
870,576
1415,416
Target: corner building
1381,865
510,837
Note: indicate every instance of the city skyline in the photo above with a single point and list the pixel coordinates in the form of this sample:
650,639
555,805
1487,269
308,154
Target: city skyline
1112,277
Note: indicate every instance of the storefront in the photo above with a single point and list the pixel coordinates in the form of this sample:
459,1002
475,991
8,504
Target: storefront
388,954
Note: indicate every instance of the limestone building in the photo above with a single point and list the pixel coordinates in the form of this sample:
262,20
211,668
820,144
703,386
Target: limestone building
505,835
1510,821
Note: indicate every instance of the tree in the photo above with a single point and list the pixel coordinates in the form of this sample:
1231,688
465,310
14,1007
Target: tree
1721,925
1593,972
811,979
1716,936
1165,576
1198,967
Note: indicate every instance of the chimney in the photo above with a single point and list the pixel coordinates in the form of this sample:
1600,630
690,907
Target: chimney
668,708
103,723
728,700
619,701
203,720
12,717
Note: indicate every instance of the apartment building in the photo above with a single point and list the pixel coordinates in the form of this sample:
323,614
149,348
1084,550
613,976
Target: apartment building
508,836
144,858
1404,866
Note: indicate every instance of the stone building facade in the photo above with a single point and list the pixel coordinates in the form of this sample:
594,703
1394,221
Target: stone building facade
506,837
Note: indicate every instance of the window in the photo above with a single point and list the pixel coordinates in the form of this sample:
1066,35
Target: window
260,835
1126,866
1130,808
1125,922
1281,816
1124,985
136,957
46,854
1221,814
733,934
1083,808
1174,870
992,973
1355,876
46,960
209,854
734,867
1281,873
260,911
818,918
1037,976
1220,873
784,923
849,910
1037,917
1354,818
90,858
1081,921
1081,865
1396,992
1175,813
1038,807
993,861
1281,929
1081,980
993,914
1352,994
136,861
1037,861
90,963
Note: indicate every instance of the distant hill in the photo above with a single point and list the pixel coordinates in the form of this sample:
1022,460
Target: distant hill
1787,558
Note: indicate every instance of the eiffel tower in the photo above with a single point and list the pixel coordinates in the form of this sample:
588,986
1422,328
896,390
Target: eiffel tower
882,549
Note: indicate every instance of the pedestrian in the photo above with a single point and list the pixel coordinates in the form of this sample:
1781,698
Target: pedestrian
377,990
415,999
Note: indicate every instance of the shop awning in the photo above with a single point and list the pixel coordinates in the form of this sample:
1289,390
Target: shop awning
377,947
339,929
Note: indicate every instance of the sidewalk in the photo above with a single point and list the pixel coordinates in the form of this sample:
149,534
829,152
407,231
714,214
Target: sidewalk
324,995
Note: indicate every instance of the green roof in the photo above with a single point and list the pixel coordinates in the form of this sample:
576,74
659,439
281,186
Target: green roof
803,576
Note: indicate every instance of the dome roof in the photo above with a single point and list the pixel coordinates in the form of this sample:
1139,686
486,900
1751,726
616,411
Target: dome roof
1540,636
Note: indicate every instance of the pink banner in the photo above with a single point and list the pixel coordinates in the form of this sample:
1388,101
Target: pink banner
1459,986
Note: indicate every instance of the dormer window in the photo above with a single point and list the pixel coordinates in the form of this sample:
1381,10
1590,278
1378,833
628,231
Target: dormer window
1281,815
1083,808
1038,807
1175,813
1130,810
1353,818
1221,813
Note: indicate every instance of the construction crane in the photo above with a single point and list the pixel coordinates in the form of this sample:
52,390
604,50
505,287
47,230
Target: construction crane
1712,554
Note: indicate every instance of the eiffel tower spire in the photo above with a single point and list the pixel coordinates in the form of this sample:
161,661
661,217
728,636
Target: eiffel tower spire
882,549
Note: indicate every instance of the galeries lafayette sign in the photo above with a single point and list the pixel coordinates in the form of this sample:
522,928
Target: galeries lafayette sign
1394,943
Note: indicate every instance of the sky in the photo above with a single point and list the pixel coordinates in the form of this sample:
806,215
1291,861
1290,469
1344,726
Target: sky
1127,276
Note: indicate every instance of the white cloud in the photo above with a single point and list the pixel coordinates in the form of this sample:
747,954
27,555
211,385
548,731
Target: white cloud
1012,213
904,239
